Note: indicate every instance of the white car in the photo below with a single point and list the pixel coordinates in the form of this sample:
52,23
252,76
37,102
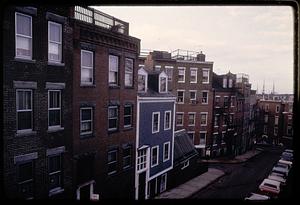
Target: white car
271,187
276,177
282,161
258,197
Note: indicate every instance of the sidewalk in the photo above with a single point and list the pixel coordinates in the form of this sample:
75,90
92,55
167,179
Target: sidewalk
192,186
196,184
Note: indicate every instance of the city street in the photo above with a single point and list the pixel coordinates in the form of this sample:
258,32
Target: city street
243,178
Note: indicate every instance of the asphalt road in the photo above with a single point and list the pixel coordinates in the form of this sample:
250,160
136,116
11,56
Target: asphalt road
241,179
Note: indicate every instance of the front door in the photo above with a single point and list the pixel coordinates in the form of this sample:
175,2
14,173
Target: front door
142,185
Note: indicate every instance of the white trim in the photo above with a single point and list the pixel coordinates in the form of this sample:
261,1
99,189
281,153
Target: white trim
157,156
136,149
86,67
160,173
91,120
167,128
182,118
193,99
207,91
182,97
154,113
205,69
186,163
193,113
193,69
165,185
29,37
118,70
55,126
59,43
206,118
169,147
198,62
181,68
173,135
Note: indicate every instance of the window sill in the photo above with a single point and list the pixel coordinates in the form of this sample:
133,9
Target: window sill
25,133
55,129
114,87
24,60
203,125
205,82
87,85
55,191
111,173
127,128
113,131
56,64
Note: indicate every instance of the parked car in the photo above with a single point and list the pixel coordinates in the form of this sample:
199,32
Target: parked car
281,170
255,196
282,161
285,166
287,156
289,151
270,187
276,177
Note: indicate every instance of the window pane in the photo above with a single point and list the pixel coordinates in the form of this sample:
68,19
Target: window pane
112,123
113,77
141,82
87,59
127,110
112,112
24,120
127,120
128,65
86,127
54,117
113,63
55,31
112,156
86,75
23,46
163,82
25,171
54,164
23,25
86,114
54,51
55,180
54,99
128,79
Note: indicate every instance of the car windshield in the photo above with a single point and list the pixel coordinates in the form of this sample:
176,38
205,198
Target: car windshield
271,185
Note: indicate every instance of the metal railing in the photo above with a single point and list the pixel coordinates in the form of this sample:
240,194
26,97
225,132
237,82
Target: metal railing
180,54
103,20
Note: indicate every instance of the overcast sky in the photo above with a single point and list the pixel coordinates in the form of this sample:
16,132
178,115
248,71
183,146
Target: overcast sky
257,40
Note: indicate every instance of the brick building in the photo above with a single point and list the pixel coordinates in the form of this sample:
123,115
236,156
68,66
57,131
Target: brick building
104,105
189,78
37,70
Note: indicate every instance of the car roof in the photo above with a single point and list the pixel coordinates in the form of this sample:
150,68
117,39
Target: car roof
270,181
257,196
274,176
285,161
280,168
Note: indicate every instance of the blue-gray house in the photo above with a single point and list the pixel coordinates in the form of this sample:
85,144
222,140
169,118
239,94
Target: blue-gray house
155,134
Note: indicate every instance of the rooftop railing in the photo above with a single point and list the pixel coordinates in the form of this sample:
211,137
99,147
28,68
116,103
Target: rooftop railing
103,20
180,54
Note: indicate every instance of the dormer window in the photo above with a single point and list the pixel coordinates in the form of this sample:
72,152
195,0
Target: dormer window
224,82
142,80
230,83
163,84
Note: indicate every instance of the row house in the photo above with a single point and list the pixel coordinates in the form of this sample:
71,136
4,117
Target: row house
155,134
37,92
189,78
104,105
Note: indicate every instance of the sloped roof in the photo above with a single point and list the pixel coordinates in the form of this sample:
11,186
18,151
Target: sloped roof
183,147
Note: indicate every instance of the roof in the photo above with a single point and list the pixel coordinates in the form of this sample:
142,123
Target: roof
183,147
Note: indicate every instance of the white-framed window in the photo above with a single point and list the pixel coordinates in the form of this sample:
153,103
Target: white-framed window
205,76
154,156
55,172
157,67
232,101
87,67
142,83
142,160
166,151
186,163
275,131
167,124
230,83
224,82
128,72
181,74
86,120
155,122
113,113
54,108
203,118
112,161
23,32
162,84
276,120
179,118
193,75
193,96
24,109
25,179
191,135
202,138
113,70
54,42
180,96
169,72
277,108
127,153
204,98
163,182
192,118
127,116
266,118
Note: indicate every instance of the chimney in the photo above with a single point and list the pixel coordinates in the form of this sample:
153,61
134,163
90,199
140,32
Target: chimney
201,57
